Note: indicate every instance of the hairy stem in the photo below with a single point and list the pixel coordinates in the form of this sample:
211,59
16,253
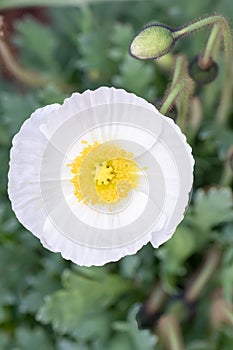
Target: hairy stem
203,276
179,64
227,174
156,299
171,97
170,332
181,82
221,25
209,49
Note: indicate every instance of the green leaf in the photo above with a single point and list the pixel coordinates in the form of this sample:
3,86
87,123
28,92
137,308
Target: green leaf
82,297
17,108
129,265
37,44
130,69
120,38
174,253
182,244
94,327
5,340
66,344
211,208
40,285
200,345
14,265
90,45
226,235
120,342
221,137
28,339
140,339
87,46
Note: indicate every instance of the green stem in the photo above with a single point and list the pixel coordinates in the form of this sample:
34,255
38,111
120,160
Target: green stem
27,77
174,342
181,82
226,99
227,174
195,119
201,23
156,299
7,4
210,47
182,106
172,95
223,25
181,74
229,316
203,276
170,331
178,69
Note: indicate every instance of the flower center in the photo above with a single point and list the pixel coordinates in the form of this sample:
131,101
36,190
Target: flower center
115,178
103,174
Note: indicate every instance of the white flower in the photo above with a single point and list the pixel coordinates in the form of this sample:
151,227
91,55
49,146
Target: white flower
100,176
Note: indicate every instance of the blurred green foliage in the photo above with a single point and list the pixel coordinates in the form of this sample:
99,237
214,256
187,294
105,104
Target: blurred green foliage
47,302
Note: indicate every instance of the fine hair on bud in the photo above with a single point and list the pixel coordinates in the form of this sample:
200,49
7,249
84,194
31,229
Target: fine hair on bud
152,42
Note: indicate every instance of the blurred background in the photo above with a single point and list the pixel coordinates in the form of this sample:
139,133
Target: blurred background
181,294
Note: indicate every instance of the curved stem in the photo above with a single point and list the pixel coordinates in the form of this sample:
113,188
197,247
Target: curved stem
27,77
195,119
221,24
201,23
227,174
226,99
171,97
156,299
181,82
208,53
204,275
169,329
229,316
178,69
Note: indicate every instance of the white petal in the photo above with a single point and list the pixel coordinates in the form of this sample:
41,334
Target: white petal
85,256
181,152
160,237
103,96
24,173
180,186
42,196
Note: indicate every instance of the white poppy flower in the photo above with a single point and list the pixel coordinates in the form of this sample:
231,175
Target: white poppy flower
100,176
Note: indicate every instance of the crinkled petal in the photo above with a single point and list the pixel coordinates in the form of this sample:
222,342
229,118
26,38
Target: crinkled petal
24,172
43,195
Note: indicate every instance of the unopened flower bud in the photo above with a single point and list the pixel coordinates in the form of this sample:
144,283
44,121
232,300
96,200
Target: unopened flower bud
152,42
201,75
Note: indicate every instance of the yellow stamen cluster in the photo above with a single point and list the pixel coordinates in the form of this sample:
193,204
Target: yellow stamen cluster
103,174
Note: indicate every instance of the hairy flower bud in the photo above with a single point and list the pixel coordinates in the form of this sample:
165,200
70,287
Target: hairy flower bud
152,42
201,75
